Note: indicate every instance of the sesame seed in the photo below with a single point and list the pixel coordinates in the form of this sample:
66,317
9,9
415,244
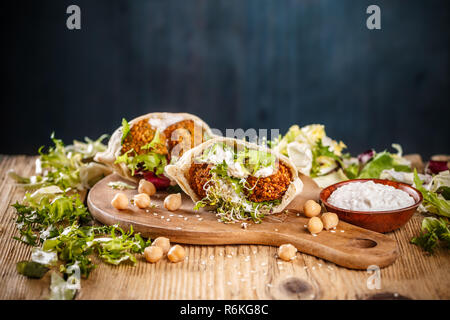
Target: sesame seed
185,218
155,214
168,220
314,235
342,230
178,228
162,217
332,231
200,219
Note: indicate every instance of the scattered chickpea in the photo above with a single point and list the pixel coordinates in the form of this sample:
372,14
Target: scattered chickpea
142,200
315,225
287,252
330,220
311,208
172,202
163,243
153,254
120,201
176,253
146,187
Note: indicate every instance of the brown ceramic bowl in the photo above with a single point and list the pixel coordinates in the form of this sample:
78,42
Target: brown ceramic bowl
380,221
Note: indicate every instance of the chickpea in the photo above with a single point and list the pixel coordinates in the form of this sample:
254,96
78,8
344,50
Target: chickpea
330,220
146,187
172,202
287,252
153,254
163,243
311,208
176,253
315,225
120,201
142,200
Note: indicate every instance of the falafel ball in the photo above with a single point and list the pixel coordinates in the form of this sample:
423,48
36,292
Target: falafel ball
269,188
199,175
187,133
141,134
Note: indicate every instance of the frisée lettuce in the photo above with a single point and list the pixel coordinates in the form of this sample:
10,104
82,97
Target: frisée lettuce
150,161
70,166
310,149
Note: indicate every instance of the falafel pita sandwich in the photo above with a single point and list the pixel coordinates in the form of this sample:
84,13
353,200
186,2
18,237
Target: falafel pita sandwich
238,179
143,147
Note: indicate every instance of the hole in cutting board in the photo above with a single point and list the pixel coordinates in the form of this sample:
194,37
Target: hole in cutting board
362,243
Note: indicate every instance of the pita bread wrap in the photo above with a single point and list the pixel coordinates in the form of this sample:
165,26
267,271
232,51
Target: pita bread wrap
180,171
158,122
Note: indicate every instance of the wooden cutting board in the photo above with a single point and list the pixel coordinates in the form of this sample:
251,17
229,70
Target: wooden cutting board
348,246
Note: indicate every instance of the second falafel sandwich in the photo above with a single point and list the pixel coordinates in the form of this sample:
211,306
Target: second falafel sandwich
239,180
142,147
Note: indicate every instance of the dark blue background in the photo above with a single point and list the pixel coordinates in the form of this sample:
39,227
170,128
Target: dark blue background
235,63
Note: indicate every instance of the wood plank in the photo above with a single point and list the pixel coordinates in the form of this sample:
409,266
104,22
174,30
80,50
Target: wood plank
227,272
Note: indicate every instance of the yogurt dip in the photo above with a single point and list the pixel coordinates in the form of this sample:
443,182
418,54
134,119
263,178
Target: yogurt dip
369,196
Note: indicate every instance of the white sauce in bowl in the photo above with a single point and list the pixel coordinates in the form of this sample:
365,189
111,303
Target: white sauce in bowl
369,196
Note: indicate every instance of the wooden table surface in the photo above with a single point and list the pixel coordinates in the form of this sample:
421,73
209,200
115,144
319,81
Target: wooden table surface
225,272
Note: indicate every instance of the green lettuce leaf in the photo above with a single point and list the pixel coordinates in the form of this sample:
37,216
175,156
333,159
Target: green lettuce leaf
434,232
151,161
31,269
431,200
125,130
322,151
382,161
